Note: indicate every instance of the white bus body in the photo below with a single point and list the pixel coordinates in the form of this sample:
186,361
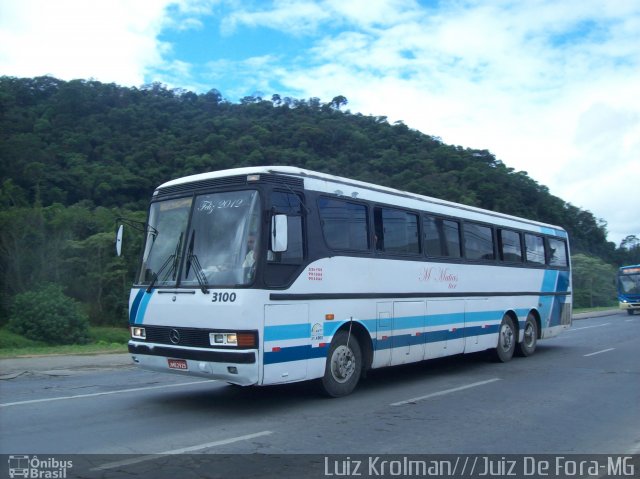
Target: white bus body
370,277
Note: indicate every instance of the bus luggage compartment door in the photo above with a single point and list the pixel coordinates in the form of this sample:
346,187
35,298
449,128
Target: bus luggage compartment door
408,331
285,343
445,327
382,356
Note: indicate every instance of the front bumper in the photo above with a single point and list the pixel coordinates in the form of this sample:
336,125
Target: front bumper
233,366
634,305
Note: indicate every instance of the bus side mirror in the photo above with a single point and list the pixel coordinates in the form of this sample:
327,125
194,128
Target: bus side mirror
279,233
119,240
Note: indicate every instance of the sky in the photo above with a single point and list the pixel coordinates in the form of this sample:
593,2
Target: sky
549,87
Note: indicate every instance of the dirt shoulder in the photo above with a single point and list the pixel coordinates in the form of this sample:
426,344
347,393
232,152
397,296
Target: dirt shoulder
13,367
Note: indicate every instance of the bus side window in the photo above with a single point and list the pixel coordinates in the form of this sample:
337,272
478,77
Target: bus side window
534,246
510,247
441,237
557,252
344,224
396,231
478,242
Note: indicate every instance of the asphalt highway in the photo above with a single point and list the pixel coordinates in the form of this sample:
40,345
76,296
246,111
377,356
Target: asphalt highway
578,394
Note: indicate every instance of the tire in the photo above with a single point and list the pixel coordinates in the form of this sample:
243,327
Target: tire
630,312
344,366
507,340
530,337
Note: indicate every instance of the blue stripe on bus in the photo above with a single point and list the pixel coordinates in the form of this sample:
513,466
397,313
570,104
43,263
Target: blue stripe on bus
433,336
445,319
481,316
300,353
562,285
551,307
144,303
135,305
287,331
294,353
549,281
563,281
303,330
553,232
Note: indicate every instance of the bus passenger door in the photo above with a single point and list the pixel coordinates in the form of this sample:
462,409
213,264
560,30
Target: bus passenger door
286,342
444,327
382,356
407,345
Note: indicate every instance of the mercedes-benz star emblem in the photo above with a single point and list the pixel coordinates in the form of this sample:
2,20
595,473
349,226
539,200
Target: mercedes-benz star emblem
174,336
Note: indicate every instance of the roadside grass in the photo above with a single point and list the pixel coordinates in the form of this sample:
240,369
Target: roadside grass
593,310
102,340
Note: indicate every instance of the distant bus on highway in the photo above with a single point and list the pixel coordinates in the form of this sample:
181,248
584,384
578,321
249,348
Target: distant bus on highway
270,275
629,288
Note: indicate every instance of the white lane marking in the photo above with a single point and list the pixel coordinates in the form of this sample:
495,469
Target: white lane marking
150,457
589,327
599,352
106,393
446,391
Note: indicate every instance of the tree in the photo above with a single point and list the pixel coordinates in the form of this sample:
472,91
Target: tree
629,251
338,101
593,282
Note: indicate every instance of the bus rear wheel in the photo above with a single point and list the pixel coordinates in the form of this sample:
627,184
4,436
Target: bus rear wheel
344,365
506,340
530,337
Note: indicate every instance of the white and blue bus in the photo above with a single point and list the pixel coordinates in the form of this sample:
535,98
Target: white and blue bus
629,288
270,275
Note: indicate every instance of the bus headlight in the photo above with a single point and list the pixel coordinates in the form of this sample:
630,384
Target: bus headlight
138,333
243,340
223,339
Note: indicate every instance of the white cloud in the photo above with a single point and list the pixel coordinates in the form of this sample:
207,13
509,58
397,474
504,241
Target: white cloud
111,40
292,16
261,69
601,175
516,78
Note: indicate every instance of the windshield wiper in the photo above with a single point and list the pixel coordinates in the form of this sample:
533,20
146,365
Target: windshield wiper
173,259
198,271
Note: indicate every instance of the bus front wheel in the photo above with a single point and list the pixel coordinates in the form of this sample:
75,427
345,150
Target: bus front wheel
506,340
344,365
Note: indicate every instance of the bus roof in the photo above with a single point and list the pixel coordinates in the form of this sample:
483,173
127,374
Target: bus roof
632,266
325,182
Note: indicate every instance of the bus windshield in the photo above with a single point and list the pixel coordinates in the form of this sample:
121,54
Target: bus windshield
219,249
629,283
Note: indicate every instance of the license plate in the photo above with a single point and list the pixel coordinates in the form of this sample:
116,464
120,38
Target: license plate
178,364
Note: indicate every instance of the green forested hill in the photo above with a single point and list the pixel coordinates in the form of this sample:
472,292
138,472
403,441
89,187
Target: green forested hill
74,155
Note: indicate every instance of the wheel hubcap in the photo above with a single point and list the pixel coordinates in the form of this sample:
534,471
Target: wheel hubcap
506,336
529,335
343,364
